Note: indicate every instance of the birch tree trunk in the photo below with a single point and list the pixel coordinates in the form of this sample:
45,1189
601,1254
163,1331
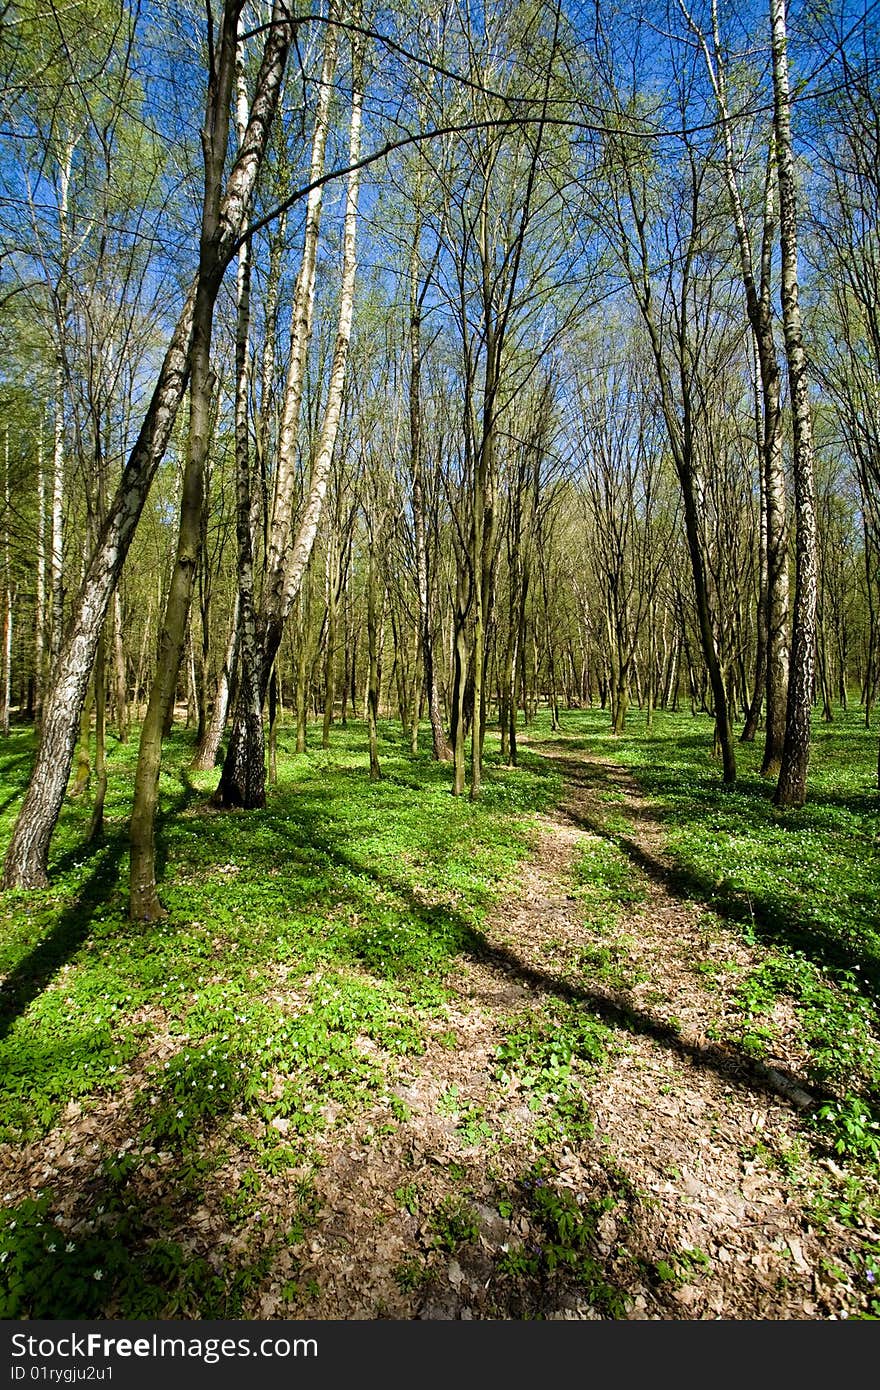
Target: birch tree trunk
759,684
249,695
27,855
144,904
759,307
243,779
57,542
287,564
247,778
205,756
791,789
40,586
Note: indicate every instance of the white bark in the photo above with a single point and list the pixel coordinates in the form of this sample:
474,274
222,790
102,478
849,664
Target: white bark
57,547
760,313
300,336
792,786
206,755
26,858
40,583
57,550
241,782
308,526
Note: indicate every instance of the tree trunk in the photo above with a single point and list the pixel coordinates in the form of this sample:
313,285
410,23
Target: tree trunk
144,904
57,539
193,702
274,705
206,754
417,695
287,565
83,764
40,586
651,672
791,789
460,671
303,662
96,825
759,686
374,657
120,681
439,742
333,568
144,901
760,313
27,855
243,780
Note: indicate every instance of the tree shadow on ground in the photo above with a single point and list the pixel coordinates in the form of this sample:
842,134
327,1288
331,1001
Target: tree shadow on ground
774,923
154,1261
27,980
156,1235
728,1061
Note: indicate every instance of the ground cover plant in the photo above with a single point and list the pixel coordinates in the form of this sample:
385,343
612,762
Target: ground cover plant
804,884
480,424
180,1101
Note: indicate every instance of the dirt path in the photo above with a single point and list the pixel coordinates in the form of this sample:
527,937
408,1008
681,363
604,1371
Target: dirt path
581,1139
687,1200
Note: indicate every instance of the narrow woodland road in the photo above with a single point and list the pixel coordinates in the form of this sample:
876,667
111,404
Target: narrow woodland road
685,1194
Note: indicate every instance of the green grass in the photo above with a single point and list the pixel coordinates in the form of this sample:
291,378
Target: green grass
453,1223
305,955
564,1244
806,879
305,947
549,1054
803,884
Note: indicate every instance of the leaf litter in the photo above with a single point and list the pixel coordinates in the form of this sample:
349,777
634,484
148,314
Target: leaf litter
655,1181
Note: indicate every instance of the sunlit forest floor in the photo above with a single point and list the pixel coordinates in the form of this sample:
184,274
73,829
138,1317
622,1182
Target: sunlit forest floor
602,1045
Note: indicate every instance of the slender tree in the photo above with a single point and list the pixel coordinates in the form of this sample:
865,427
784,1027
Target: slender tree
26,857
791,789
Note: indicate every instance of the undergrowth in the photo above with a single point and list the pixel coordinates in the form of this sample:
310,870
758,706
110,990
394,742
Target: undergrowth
306,946
305,957
802,886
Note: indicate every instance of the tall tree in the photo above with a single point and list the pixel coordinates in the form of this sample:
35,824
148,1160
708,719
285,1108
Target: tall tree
144,902
242,782
756,271
26,857
791,789
672,259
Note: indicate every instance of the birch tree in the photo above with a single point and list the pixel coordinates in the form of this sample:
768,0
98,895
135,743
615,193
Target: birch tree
791,788
26,858
242,782
756,272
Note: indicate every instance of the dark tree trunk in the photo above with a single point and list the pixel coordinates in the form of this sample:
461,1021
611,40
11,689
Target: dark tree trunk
27,855
144,904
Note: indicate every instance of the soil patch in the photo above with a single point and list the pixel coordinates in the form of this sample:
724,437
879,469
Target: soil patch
694,1184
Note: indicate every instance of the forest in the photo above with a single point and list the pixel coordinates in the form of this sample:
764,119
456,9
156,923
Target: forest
439,659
